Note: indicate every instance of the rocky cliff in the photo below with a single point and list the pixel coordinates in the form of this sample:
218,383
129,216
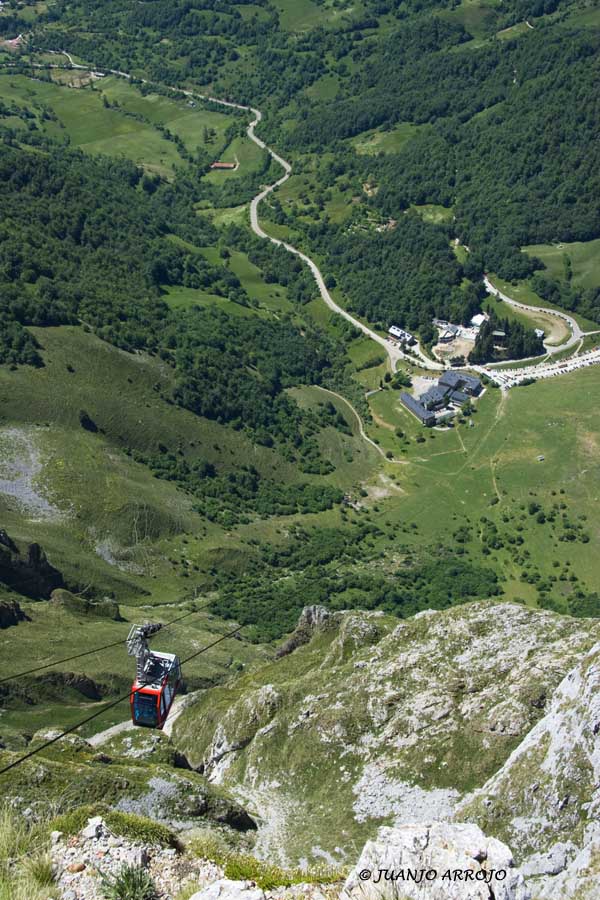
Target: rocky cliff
25,569
545,799
374,721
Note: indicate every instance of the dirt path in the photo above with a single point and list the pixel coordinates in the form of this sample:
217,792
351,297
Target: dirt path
361,427
102,737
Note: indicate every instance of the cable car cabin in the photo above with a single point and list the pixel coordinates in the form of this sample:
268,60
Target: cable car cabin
158,678
151,700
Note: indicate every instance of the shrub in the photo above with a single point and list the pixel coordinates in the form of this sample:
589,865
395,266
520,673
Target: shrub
126,825
131,883
268,876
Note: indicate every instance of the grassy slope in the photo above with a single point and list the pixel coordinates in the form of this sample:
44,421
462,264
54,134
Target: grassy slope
584,257
54,632
446,486
447,480
89,125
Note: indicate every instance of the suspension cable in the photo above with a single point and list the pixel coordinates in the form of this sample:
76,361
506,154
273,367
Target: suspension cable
73,728
66,659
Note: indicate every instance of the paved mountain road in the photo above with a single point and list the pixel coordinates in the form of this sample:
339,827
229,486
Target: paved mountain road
392,350
576,332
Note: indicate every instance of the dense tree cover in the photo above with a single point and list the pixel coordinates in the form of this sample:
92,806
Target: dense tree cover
527,170
235,370
407,275
508,136
84,240
81,239
505,339
270,598
229,497
17,345
585,301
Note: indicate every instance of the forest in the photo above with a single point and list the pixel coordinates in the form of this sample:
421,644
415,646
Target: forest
270,598
84,241
506,138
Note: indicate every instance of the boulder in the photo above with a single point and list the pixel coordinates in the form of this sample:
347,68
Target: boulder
25,569
439,861
10,613
225,889
93,829
106,608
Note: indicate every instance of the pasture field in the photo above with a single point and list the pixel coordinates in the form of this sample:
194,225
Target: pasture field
373,142
474,15
241,150
184,298
271,297
302,15
584,257
127,127
266,299
492,471
514,31
355,460
434,213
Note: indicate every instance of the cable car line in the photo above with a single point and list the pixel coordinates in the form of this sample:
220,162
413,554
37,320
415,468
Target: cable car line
127,696
58,662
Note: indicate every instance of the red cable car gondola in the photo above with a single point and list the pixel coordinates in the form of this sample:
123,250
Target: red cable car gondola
158,678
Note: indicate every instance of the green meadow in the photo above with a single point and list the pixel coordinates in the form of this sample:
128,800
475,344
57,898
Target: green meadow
373,142
584,257
126,127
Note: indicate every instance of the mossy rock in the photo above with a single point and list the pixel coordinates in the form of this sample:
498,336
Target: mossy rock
127,825
101,609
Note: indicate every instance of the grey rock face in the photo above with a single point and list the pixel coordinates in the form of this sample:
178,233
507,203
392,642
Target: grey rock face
224,889
441,861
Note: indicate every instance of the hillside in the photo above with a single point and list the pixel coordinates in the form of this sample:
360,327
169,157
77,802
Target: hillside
481,715
212,215
373,722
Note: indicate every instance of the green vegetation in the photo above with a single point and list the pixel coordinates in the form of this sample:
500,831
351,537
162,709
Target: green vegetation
268,876
25,867
500,339
578,263
166,430
131,883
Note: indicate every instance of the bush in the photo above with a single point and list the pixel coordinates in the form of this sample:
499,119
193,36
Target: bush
128,825
131,883
268,876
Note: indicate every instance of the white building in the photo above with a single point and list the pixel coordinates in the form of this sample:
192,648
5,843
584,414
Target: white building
399,334
478,320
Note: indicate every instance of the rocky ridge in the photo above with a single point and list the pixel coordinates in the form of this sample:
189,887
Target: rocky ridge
425,862
545,799
375,721
80,862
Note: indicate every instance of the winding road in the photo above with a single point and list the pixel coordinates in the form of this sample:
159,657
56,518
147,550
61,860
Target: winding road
393,351
576,332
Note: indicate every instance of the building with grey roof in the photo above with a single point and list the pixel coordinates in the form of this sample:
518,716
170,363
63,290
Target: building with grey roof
460,381
416,408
